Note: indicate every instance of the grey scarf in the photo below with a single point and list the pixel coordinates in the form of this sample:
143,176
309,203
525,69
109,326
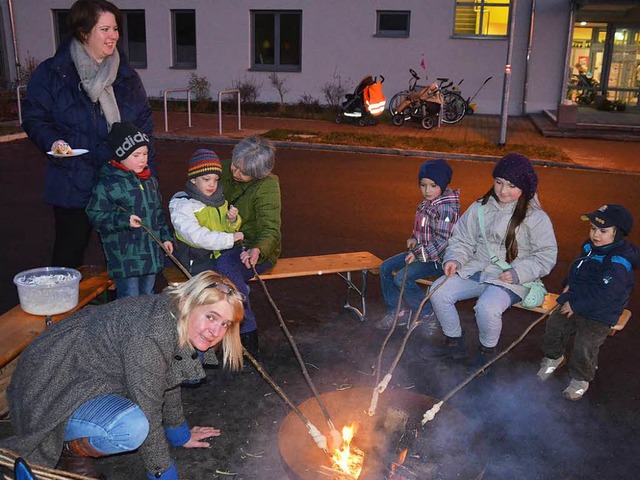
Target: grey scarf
97,79
215,200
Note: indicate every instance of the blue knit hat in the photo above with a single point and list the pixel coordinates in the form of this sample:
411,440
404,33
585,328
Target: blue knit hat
204,162
518,169
437,170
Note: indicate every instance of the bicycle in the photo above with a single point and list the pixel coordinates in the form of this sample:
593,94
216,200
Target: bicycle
455,107
453,104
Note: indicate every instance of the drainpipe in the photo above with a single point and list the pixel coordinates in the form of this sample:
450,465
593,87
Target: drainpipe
504,114
14,38
567,55
525,91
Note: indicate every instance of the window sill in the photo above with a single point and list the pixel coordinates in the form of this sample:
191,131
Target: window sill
391,35
479,37
183,67
275,68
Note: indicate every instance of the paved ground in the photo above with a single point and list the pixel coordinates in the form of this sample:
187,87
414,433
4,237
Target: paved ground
528,430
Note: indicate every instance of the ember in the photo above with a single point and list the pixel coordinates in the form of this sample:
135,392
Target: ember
348,458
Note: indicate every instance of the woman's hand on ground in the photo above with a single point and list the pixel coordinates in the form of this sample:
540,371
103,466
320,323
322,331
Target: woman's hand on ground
250,257
198,434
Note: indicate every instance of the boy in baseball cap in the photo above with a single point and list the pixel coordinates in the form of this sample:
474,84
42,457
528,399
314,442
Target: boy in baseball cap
595,294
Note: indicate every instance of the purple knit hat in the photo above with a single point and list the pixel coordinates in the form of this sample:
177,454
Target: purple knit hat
518,169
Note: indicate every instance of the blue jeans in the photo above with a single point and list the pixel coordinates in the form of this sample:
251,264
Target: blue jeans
492,301
413,294
229,265
112,423
134,286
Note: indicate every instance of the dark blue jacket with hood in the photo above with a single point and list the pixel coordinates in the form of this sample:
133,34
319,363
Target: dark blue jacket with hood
56,107
600,281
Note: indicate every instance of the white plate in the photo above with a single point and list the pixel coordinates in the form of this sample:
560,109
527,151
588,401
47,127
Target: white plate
76,152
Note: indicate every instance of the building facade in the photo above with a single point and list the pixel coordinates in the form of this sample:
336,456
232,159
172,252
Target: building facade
308,46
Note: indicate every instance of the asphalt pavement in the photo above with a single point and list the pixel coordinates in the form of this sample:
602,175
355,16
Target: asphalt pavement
336,201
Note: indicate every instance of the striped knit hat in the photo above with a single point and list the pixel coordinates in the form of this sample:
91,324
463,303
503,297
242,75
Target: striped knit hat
204,162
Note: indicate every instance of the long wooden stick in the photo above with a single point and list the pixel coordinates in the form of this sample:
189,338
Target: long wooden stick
414,323
336,437
431,413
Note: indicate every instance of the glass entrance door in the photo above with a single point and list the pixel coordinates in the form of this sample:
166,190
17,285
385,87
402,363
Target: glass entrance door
624,74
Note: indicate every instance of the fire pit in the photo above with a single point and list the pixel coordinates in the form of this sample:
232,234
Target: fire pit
448,447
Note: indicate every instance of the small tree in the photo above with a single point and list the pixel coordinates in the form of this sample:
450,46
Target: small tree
280,84
26,69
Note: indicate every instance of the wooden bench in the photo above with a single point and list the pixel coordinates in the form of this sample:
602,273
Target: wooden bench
340,263
549,303
19,328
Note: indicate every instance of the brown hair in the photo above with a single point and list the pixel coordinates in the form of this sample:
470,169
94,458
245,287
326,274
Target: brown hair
84,15
510,242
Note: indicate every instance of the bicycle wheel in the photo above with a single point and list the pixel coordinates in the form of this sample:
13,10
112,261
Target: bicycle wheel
454,107
396,100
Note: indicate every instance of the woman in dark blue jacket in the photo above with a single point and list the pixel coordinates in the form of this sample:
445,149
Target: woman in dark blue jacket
74,97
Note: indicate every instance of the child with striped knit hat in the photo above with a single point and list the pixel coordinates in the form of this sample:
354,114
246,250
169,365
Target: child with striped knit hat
204,223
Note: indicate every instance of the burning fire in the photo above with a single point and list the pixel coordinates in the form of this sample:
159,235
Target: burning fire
348,458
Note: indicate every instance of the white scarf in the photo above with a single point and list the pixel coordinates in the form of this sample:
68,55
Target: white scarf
97,79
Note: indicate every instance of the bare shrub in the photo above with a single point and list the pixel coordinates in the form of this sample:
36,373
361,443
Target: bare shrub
249,88
335,89
200,87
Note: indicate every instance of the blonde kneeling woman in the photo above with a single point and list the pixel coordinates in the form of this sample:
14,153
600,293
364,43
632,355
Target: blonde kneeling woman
107,379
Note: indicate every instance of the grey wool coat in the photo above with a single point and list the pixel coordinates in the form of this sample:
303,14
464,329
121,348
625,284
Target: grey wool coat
537,246
128,347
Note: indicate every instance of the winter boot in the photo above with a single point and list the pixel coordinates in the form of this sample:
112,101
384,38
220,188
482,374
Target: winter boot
404,316
453,348
77,457
251,344
429,326
481,358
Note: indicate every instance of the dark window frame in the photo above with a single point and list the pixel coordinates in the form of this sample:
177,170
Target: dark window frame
175,61
380,32
276,66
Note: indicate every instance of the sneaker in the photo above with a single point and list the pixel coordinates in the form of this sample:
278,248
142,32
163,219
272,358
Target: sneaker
575,390
385,323
429,326
548,366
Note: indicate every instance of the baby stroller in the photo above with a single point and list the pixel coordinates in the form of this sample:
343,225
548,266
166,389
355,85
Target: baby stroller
366,102
424,106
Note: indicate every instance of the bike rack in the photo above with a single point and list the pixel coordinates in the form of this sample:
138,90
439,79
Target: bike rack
224,92
164,96
18,88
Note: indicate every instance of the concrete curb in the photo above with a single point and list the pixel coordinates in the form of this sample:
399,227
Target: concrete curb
391,151
12,137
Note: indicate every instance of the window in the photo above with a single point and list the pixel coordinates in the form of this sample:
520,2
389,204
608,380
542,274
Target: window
393,23
481,18
133,37
184,38
277,40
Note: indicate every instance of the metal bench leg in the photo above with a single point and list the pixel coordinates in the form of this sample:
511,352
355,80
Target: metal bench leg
361,313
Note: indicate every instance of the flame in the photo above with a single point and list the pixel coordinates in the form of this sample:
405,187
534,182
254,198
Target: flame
402,457
348,458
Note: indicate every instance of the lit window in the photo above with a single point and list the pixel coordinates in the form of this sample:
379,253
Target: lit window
184,38
393,23
277,40
481,18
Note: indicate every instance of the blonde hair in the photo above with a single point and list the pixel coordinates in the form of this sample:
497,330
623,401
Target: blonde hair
196,292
